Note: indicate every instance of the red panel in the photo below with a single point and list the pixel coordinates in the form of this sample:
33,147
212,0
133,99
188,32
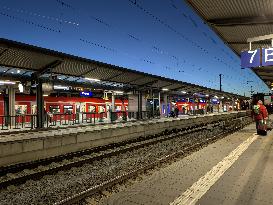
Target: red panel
2,107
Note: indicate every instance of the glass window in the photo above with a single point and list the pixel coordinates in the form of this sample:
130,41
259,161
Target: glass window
91,108
54,109
101,108
68,109
20,109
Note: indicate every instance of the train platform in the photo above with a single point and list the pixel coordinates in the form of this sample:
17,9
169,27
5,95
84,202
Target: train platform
34,145
63,124
234,170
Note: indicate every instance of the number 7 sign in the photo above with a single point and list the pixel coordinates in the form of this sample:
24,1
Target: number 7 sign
250,59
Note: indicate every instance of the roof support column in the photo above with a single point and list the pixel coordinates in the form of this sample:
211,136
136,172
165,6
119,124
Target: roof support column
40,105
165,106
232,104
220,108
113,102
153,105
139,106
11,104
159,104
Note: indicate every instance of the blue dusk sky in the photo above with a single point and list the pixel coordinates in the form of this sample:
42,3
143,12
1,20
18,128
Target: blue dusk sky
161,37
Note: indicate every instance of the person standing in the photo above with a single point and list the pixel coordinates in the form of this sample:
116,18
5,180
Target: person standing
259,114
176,111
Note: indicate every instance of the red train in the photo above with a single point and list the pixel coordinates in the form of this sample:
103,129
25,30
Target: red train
25,104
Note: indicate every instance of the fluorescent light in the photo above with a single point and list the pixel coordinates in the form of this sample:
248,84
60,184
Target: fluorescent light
7,82
118,92
18,71
207,95
184,92
223,97
165,89
60,87
92,79
20,87
45,95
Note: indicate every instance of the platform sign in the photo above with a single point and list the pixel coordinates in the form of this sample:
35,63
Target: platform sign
251,59
86,94
267,56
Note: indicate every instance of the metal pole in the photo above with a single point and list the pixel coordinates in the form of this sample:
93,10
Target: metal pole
40,105
159,104
153,103
220,75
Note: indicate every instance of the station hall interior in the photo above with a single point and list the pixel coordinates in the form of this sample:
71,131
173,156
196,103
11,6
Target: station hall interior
135,102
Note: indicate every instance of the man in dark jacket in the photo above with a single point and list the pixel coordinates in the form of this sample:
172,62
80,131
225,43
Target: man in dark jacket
259,114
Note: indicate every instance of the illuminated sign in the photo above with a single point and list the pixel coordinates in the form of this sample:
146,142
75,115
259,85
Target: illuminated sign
267,56
214,101
250,59
86,94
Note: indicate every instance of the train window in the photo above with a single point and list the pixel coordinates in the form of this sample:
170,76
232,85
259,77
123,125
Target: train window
118,108
91,108
83,108
20,109
101,108
33,109
54,109
68,109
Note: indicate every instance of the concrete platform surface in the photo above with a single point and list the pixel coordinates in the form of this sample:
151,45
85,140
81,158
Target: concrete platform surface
235,170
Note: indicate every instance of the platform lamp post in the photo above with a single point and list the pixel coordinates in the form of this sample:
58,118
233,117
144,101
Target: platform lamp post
220,75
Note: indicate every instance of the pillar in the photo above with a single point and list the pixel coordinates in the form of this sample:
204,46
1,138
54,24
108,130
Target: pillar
220,106
232,104
11,104
159,104
139,105
165,103
6,102
113,102
153,105
40,105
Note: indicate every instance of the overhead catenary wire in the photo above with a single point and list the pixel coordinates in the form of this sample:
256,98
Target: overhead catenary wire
99,20
29,22
179,64
60,20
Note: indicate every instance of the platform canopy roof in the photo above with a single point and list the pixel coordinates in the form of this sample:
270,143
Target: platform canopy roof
76,70
237,20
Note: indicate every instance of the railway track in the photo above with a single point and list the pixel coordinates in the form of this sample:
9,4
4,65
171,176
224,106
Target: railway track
109,183
121,178
19,174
